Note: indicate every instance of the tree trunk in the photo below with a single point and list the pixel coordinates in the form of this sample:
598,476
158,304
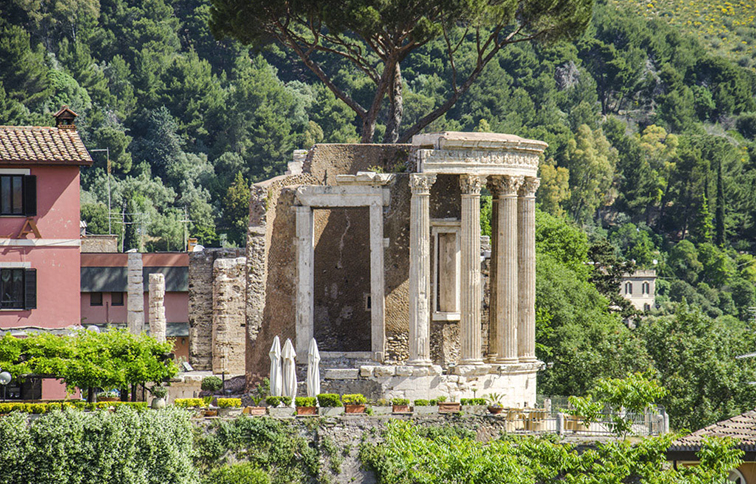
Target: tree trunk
396,107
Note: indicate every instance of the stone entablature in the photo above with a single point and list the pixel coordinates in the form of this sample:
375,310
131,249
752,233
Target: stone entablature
477,153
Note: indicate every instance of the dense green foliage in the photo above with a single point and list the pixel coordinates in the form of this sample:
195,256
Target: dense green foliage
269,444
87,359
375,39
406,456
121,447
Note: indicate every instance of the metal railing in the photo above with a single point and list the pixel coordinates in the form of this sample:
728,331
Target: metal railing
540,421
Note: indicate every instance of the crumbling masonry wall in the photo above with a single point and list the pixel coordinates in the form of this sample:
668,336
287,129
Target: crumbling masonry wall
200,275
229,290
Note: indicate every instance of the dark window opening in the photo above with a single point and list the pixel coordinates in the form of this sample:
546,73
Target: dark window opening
95,299
116,298
12,288
11,195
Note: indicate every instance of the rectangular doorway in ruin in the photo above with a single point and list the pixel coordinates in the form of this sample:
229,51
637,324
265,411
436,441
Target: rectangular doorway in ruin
342,320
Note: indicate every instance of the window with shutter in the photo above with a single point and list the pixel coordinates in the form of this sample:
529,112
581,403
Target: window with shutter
30,195
30,286
18,195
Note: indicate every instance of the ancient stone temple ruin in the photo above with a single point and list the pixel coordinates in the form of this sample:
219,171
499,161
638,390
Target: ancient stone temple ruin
375,250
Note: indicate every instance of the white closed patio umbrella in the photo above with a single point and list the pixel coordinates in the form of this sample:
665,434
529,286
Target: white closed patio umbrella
275,368
313,369
289,371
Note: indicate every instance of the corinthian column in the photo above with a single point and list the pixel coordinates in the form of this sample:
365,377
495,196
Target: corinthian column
505,190
419,277
527,270
470,297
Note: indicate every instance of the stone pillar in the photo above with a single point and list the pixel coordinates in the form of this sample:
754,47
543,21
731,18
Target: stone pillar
135,304
377,300
494,341
157,307
504,285
527,270
419,277
305,281
229,300
470,290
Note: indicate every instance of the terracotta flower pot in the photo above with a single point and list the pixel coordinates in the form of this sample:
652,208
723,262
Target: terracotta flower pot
255,410
307,410
401,409
354,408
495,410
449,407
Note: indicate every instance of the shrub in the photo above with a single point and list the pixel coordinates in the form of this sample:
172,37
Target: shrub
441,399
240,473
273,401
159,391
229,402
98,447
400,401
286,401
211,384
188,402
305,401
421,403
473,401
354,399
329,400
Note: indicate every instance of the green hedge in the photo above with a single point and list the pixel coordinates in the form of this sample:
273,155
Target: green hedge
229,402
473,401
121,447
39,408
189,402
305,401
329,400
354,399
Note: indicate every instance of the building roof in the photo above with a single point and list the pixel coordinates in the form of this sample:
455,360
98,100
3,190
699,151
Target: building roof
41,145
741,427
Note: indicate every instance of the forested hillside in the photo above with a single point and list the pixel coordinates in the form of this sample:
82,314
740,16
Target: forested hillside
651,159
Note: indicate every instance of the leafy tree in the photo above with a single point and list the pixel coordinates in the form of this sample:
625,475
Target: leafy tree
236,210
377,37
695,358
591,165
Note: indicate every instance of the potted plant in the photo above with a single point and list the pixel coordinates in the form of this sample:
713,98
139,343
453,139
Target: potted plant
111,396
330,404
400,405
255,409
381,407
229,407
494,403
279,406
425,407
354,403
448,407
306,406
159,392
211,384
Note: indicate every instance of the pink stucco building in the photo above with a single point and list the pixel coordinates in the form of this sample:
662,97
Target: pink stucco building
39,227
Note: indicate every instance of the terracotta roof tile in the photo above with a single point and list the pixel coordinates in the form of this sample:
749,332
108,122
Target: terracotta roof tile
44,145
741,427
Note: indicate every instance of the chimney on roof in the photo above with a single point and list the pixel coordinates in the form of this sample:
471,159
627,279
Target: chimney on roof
64,119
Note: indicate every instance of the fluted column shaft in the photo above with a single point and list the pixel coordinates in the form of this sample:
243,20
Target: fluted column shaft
494,342
419,277
470,297
527,270
506,283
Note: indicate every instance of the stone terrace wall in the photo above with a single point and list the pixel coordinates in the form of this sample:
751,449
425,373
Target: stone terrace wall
201,304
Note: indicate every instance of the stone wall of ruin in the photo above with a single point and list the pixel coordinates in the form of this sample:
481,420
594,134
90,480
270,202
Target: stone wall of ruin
271,258
200,275
229,301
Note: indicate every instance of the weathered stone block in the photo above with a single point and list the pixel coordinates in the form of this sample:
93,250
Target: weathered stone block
342,374
403,371
384,371
366,371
